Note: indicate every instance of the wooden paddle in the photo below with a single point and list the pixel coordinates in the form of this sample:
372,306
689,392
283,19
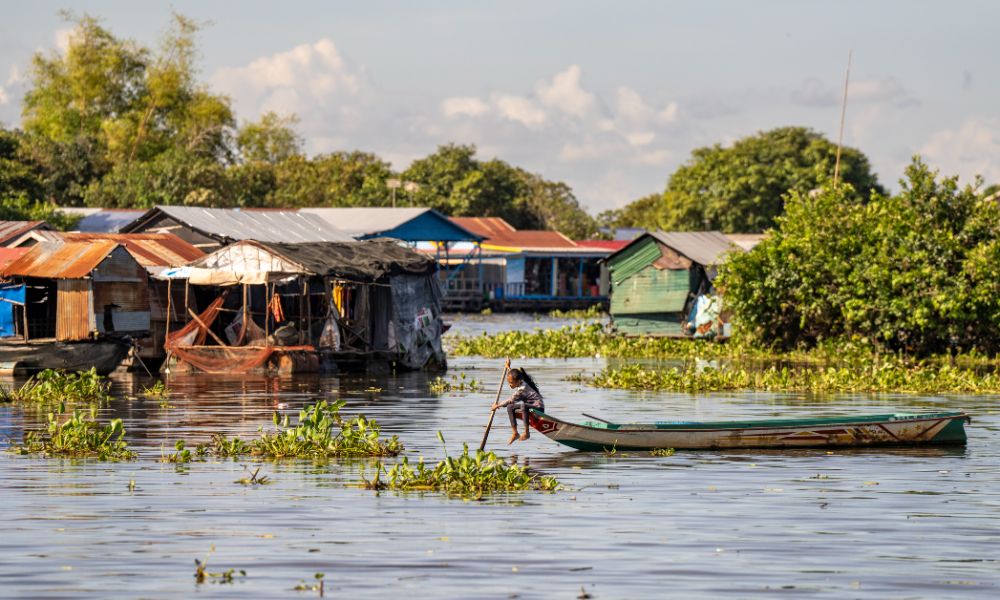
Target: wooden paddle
493,411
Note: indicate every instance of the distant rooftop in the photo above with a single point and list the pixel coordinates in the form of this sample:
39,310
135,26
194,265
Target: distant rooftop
411,224
233,224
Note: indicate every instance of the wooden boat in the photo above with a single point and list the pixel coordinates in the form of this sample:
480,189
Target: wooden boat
865,430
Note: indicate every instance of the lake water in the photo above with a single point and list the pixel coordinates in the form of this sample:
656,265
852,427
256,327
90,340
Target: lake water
897,523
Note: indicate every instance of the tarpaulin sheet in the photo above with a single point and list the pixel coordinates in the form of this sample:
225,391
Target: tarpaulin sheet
10,294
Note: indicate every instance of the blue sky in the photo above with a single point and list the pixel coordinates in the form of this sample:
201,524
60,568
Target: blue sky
608,96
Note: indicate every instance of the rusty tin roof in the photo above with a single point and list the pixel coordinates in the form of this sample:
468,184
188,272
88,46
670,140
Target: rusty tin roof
72,260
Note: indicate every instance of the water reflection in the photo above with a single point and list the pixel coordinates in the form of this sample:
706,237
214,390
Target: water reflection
854,522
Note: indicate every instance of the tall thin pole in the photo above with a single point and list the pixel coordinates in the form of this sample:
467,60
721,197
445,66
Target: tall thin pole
843,115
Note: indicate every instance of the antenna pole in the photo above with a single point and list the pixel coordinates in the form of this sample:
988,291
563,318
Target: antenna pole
843,115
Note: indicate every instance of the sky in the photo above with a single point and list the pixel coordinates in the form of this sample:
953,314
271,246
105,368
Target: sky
610,97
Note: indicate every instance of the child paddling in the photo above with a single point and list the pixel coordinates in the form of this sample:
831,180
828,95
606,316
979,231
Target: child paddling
525,396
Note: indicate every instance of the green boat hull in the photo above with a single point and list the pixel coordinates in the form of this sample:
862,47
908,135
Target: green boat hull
895,429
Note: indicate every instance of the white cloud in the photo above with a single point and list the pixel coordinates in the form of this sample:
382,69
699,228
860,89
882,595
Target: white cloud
522,110
973,148
3,96
14,76
298,80
813,92
565,94
463,106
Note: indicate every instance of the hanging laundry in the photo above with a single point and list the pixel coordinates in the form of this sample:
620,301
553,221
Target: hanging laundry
276,310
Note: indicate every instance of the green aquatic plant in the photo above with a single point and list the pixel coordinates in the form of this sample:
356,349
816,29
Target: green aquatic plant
459,384
203,575
184,454
52,387
78,436
319,433
467,476
662,451
594,311
883,375
253,478
302,586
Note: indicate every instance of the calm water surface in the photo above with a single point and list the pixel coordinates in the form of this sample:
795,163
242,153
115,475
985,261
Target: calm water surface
910,523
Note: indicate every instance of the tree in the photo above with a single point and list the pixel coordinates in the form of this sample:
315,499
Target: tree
270,139
741,188
917,272
21,185
455,182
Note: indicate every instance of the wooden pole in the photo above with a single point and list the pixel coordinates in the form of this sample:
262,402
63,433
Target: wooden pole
302,309
843,114
187,286
169,294
493,411
210,332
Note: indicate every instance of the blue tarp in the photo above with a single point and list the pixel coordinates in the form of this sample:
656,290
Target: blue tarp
10,295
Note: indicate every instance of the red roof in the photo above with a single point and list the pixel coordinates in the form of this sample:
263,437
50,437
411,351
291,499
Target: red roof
500,233
613,245
9,255
72,260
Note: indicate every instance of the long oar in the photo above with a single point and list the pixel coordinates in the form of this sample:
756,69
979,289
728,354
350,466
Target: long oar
493,411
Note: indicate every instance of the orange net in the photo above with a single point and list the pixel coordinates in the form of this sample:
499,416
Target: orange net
194,333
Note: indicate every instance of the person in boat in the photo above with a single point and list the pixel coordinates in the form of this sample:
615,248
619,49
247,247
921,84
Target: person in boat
525,396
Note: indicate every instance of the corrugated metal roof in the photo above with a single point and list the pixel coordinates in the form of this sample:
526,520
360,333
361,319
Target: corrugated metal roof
149,249
501,235
108,220
71,260
9,255
235,224
703,247
12,229
375,221
747,241
609,245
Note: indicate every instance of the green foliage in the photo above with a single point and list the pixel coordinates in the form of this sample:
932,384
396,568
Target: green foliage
158,390
741,188
885,374
56,387
254,478
466,476
271,139
917,272
184,454
203,575
78,437
320,433
662,452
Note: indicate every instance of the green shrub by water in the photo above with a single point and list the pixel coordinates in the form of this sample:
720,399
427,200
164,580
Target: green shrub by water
53,387
78,436
884,375
467,476
319,433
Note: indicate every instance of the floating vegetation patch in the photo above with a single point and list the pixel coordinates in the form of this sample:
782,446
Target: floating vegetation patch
203,575
55,387
594,311
662,451
320,433
456,384
77,436
184,454
254,478
302,586
583,340
467,476
885,375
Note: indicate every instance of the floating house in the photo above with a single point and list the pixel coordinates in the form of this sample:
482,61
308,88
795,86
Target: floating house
323,306
155,252
656,279
73,306
536,269
209,229
426,230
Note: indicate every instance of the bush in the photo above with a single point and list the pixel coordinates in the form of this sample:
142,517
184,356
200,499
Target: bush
918,272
